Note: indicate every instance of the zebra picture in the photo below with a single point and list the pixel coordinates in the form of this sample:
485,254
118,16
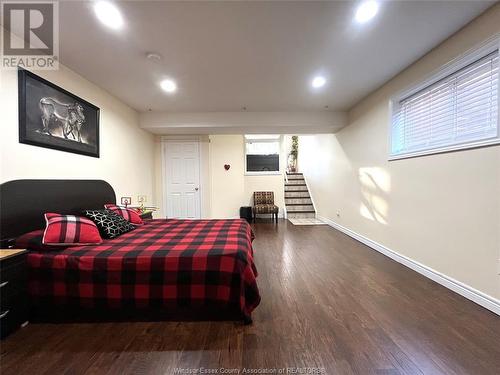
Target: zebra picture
69,117
52,117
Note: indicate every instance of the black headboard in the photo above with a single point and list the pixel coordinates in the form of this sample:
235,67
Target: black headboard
23,202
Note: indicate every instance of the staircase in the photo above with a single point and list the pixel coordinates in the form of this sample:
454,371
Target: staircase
298,202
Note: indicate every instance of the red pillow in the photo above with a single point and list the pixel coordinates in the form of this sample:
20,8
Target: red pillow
127,213
33,241
70,230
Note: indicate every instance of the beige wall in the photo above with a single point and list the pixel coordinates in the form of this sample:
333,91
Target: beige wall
232,189
227,188
127,152
440,210
223,192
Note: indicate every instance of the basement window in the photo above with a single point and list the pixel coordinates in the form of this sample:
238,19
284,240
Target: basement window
457,108
262,154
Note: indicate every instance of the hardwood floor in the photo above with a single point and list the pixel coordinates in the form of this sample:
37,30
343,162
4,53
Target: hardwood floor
328,303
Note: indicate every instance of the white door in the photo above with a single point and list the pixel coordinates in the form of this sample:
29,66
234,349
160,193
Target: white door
182,179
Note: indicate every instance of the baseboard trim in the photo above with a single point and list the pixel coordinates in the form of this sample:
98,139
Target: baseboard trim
268,216
464,290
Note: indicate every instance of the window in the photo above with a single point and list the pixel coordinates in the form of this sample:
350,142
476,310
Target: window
458,108
262,154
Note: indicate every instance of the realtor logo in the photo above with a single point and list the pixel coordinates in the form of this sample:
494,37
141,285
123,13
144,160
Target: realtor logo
30,35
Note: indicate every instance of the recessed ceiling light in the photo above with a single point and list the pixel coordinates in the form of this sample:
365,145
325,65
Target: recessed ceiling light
168,85
366,11
318,82
108,14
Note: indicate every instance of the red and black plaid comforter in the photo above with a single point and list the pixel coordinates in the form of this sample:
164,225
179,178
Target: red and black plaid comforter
164,263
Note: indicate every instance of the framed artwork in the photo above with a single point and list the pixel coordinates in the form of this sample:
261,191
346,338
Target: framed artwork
52,117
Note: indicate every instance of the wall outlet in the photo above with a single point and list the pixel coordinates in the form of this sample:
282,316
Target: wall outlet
141,199
126,201
338,213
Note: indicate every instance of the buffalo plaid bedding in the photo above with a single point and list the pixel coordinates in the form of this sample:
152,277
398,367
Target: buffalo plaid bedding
164,263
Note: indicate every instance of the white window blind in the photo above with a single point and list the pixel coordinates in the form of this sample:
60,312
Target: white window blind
457,111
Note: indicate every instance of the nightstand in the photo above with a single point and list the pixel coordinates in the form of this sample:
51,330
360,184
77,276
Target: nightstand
13,290
146,215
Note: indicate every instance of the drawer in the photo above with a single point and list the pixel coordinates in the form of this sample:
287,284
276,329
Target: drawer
14,298
13,272
13,280
10,291
7,264
12,318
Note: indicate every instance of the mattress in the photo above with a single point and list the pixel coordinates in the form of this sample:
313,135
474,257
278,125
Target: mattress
163,263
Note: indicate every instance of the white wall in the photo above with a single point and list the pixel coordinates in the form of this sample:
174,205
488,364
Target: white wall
440,210
127,152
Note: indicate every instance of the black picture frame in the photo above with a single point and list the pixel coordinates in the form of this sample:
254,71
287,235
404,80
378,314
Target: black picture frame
52,117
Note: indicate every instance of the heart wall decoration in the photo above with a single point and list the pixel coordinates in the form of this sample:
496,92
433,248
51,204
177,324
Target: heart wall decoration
226,167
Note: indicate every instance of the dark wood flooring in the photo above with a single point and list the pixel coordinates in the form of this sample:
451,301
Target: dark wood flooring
328,303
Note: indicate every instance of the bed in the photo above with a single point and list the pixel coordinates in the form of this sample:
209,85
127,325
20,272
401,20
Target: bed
164,265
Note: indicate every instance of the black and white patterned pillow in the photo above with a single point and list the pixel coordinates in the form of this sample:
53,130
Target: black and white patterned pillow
110,225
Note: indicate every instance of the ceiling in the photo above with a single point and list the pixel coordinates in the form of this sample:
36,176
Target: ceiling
258,55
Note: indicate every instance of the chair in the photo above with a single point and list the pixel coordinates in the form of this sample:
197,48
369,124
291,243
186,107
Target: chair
263,203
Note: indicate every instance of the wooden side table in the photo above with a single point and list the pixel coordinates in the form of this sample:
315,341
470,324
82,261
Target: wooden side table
13,290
